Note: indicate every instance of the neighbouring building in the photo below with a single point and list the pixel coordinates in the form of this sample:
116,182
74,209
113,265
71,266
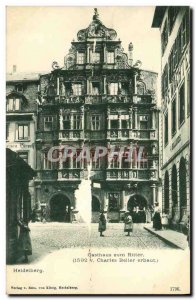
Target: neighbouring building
21,111
174,25
18,200
98,98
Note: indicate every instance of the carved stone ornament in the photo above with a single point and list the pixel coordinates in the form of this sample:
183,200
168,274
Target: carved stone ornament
96,30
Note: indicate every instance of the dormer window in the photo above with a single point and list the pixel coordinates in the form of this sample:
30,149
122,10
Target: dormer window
110,57
80,58
95,57
13,104
19,88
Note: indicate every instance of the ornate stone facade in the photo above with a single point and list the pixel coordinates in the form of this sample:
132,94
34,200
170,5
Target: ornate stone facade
98,98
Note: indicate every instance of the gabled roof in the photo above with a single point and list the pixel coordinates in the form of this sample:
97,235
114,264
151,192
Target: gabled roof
22,77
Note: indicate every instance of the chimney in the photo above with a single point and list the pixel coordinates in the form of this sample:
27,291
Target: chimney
14,69
130,49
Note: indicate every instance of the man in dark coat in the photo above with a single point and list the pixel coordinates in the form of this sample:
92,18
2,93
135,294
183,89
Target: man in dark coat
102,224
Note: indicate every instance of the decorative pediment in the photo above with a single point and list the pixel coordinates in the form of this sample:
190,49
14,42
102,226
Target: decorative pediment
96,30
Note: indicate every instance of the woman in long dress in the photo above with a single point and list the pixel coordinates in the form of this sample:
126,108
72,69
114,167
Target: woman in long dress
24,240
157,225
102,224
128,227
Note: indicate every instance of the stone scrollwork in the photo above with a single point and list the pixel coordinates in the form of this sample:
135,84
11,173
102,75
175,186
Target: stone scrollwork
96,30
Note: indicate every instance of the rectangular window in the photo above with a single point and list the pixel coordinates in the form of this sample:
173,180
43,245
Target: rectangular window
181,105
23,132
17,104
48,123
96,122
166,129
76,122
24,156
124,124
95,57
81,58
110,57
11,104
77,89
67,163
95,88
113,124
143,125
124,88
173,121
114,88
66,122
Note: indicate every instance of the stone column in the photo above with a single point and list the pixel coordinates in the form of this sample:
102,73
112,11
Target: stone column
153,119
87,57
122,205
104,85
154,194
104,54
136,123
105,203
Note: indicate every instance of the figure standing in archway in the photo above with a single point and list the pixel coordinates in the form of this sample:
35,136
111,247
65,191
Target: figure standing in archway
128,223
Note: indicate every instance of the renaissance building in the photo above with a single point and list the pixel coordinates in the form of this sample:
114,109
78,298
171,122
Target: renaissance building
99,98
174,25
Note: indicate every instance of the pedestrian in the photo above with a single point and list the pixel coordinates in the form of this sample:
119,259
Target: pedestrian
24,240
128,227
102,223
148,215
157,225
165,221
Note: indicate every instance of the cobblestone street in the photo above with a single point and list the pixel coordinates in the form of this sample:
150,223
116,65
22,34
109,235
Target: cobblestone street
49,237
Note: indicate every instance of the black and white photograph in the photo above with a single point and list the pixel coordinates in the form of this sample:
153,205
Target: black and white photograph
98,108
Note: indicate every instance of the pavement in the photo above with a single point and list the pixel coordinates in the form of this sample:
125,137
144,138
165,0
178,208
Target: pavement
171,237
49,237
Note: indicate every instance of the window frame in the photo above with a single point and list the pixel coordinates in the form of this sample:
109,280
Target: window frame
94,123
181,122
174,128
52,122
166,138
23,138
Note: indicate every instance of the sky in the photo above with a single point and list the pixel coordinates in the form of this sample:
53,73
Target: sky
38,35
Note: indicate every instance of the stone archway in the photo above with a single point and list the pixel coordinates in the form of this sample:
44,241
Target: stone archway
60,209
182,187
166,192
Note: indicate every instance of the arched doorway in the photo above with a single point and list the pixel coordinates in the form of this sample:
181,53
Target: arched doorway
182,187
166,192
60,209
174,190
137,205
95,206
